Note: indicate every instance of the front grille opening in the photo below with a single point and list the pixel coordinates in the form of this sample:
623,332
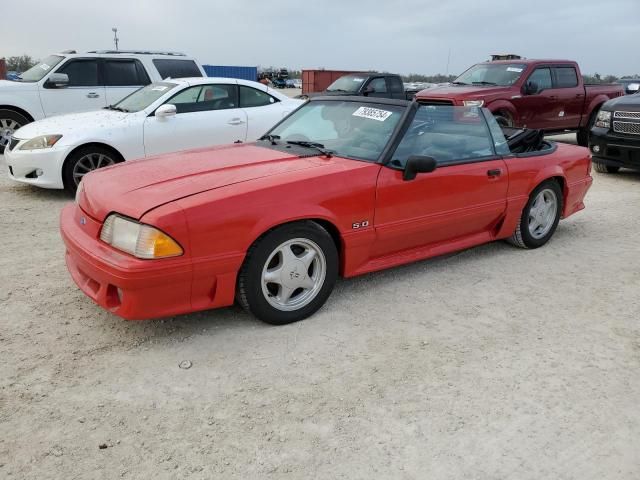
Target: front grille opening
12,143
435,102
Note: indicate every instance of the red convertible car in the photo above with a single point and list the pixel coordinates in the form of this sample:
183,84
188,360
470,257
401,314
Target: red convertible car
342,186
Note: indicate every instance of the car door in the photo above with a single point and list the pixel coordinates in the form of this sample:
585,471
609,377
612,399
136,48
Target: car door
122,76
206,115
464,197
85,91
536,110
263,110
396,88
570,96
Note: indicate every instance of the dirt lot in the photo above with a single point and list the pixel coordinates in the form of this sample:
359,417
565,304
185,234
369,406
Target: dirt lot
494,363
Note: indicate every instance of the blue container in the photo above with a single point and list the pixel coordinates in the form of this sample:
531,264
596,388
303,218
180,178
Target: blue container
245,73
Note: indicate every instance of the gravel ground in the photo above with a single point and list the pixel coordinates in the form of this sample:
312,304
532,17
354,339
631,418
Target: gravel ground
494,363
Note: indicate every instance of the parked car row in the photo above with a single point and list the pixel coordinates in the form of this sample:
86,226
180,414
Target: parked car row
297,192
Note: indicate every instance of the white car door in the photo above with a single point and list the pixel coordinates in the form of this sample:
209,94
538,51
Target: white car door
84,92
122,76
262,109
206,115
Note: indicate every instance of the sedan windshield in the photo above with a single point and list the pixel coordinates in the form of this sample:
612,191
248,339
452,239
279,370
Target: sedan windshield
502,74
358,130
35,74
142,98
348,83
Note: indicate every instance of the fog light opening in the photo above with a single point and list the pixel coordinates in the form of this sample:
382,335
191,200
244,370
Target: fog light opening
39,172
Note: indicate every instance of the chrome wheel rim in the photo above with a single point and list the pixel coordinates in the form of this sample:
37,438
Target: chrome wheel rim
542,214
7,127
88,163
293,274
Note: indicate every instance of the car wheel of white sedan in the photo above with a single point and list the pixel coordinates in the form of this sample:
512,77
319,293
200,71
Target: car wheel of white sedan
289,273
83,161
540,216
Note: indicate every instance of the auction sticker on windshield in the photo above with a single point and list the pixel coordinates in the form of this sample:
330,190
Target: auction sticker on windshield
514,69
372,113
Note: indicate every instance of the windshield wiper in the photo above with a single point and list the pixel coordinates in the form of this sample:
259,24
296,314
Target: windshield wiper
337,90
316,146
459,83
117,109
484,83
271,138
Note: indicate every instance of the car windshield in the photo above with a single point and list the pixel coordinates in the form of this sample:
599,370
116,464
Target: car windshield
502,74
348,83
35,74
142,98
358,130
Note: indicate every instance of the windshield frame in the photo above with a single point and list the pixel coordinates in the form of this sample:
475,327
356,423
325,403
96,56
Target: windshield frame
515,64
395,137
37,67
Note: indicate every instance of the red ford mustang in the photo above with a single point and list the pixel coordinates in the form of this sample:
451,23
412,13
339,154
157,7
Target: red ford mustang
342,186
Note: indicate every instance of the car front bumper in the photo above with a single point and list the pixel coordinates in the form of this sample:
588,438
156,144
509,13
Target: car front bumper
137,289
613,149
42,168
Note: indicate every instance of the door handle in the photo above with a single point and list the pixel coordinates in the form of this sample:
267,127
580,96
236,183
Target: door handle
495,172
553,97
92,95
235,121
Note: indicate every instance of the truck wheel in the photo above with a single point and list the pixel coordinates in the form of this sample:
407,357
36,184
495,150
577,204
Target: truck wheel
504,120
83,161
540,216
10,121
289,273
602,168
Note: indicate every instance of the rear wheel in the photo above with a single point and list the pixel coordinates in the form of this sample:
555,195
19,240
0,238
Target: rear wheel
540,216
602,168
289,273
85,160
10,121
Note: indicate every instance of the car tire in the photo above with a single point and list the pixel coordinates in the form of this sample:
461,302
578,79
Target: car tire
288,273
10,121
602,168
539,221
503,120
84,160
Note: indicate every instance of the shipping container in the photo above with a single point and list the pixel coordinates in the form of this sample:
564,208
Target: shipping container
319,80
3,69
244,73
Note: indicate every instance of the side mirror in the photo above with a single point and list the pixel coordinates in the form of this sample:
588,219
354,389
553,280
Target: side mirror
369,89
531,88
166,110
418,164
57,80
633,88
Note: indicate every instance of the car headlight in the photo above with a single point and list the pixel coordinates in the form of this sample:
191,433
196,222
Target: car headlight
138,239
603,119
473,103
43,141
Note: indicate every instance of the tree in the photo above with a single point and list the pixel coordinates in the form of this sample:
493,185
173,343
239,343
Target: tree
21,63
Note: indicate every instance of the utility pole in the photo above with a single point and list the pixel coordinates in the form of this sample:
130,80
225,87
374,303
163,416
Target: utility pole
448,60
115,36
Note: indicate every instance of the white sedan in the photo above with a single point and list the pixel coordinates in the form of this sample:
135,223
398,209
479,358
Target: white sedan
162,117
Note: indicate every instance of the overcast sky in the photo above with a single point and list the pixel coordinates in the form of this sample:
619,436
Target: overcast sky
404,36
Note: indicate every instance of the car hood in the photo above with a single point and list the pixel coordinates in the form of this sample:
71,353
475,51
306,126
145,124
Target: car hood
73,123
7,86
136,187
461,92
630,103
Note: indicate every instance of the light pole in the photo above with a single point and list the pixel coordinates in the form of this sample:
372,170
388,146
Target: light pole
115,36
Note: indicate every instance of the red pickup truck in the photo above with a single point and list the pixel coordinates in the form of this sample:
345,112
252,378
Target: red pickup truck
543,94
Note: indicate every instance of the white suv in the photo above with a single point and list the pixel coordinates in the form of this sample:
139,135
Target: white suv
78,82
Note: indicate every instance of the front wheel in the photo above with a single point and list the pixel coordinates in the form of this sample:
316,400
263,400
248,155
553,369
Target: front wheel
602,168
10,121
289,273
83,161
540,216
